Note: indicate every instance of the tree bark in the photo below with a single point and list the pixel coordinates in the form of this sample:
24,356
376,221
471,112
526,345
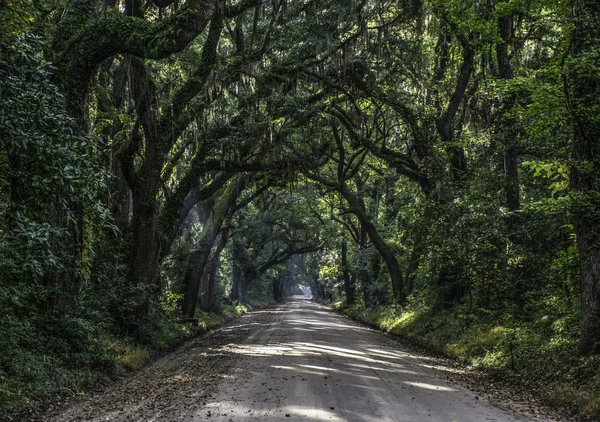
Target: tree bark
348,286
101,39
208,288
382,247
278,286
175,210
511,157
143,253
361,272
583,90
281,288
205,244
414,260
446,122
237,274
276,282
513,190
144,246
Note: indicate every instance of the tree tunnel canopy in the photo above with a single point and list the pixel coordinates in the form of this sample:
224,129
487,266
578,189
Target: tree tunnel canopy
197,152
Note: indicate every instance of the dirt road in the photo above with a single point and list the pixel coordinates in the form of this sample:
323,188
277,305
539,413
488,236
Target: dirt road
296,361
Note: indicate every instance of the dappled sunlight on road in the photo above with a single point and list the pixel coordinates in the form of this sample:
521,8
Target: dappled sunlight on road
297,361
311,364
429,386
312,414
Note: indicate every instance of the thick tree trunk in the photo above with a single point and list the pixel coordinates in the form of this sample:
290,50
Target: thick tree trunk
382,247
583,89
205,244
208,286
511,157
589,253
413,262
196,264
315,285
450,287
276,288
361,273
237,287
143,254
194,275
143,246
281,288
513,190
237,275
121,208
445,123
348,286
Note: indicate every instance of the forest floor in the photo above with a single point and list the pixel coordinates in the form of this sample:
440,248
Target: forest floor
301,361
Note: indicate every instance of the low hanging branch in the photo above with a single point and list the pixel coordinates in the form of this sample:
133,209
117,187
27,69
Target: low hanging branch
99,40
403,163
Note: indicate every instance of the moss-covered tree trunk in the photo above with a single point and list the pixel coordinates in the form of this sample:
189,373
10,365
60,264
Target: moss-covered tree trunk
205,243
143,254
82,43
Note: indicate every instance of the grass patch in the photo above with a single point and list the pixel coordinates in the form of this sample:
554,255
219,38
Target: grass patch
130,356
232,311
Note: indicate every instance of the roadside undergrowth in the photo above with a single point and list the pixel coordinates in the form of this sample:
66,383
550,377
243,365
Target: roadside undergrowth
48,361
538,352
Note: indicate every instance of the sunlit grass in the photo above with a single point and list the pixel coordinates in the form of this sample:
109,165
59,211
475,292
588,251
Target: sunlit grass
133,357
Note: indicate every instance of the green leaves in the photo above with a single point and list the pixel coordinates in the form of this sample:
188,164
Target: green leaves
556,173
45,166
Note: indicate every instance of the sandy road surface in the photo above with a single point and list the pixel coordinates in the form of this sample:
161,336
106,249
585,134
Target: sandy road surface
296,361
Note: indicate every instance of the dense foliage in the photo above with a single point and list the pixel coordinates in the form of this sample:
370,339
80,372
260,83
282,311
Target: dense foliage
431,166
